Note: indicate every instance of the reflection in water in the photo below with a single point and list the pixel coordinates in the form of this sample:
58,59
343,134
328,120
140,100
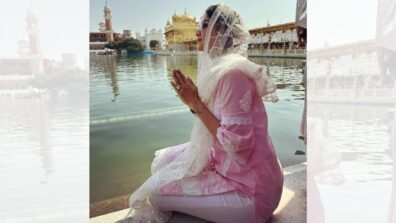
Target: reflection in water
45,151
43,161
187,64
282,70
349,159
113,77
109,66
357,133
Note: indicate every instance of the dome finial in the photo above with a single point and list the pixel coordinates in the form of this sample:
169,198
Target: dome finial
107,5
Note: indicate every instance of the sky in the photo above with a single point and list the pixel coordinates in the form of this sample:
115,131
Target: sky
338,21
140,15
64,26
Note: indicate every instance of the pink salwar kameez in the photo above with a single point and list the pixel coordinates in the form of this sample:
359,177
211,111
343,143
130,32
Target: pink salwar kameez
243,173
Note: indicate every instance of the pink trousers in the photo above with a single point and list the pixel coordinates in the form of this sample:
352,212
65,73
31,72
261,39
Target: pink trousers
227,207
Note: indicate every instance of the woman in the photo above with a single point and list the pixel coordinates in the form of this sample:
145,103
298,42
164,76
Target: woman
228,172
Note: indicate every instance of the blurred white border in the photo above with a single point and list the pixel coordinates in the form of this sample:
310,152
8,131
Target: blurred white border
44,115
351,108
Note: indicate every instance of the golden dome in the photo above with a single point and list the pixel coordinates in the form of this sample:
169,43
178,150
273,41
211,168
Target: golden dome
175,16
187,16
183,17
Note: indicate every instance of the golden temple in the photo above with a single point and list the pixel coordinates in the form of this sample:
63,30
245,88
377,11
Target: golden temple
180,33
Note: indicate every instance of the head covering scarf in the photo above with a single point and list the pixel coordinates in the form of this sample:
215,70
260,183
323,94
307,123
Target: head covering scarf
225,49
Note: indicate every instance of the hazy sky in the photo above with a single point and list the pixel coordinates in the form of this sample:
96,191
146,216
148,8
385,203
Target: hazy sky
338,21
139,15
64,26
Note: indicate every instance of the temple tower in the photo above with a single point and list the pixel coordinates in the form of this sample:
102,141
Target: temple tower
33,31
108,24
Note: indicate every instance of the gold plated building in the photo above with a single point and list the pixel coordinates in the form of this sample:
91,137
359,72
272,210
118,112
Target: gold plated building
180,34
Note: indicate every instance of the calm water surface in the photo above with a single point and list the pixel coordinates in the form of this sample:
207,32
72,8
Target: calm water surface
353,161
44,153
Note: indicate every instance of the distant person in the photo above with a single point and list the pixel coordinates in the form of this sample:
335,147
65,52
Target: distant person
301,37
229,171
301,23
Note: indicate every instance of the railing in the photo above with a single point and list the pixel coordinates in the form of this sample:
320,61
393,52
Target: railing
175,53
380,95
103,52
271,52
278,52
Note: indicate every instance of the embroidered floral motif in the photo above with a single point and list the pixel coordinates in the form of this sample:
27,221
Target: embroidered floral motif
205,184
235,120
190,187
246,101
230,147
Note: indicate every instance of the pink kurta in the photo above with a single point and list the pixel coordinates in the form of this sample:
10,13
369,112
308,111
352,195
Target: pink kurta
242,155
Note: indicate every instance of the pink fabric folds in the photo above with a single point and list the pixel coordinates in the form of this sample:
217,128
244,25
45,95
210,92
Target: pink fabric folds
243,158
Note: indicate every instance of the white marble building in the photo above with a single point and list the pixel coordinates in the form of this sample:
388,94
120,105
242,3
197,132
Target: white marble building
278,36
155,36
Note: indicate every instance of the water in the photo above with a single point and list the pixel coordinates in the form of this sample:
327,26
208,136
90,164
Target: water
352,160
44,153
134,112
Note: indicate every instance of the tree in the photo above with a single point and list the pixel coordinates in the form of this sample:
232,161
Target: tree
111,45
131,45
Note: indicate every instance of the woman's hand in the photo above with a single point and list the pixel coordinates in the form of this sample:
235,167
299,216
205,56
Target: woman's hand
186,90
188,93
